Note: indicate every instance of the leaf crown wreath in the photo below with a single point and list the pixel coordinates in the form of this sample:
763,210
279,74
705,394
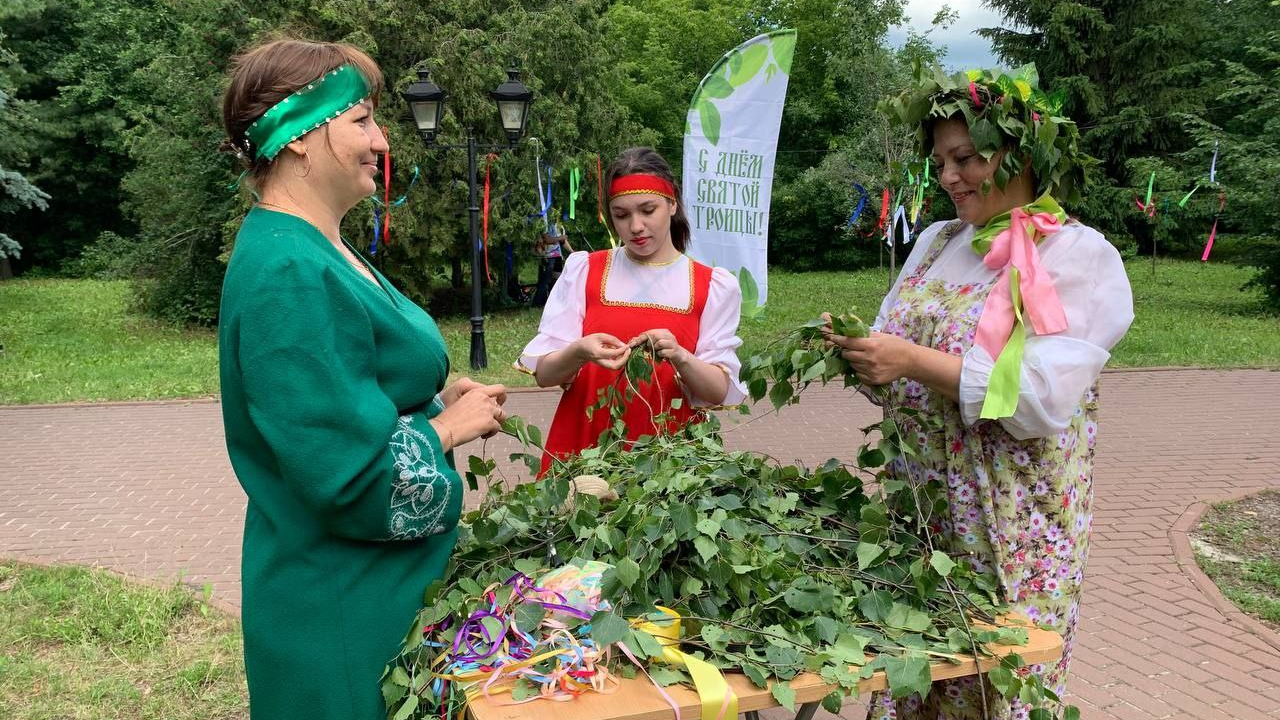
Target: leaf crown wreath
1004,111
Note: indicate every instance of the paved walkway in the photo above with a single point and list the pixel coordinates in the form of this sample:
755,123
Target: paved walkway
146,489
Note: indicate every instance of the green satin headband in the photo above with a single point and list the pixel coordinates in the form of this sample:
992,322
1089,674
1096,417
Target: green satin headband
322,100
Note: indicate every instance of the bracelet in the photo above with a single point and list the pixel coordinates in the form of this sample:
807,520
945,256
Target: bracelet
443,446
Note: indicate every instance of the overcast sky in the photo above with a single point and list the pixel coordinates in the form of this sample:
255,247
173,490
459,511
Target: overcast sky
965,48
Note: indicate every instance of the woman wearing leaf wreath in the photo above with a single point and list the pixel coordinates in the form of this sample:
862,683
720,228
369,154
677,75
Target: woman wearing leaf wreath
1005,381
609,302
338,423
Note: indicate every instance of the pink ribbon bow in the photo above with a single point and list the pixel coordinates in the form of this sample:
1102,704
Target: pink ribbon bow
1015,247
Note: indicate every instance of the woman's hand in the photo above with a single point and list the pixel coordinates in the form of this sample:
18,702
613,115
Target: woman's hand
462,386
475,413
878,359
665,346
602,349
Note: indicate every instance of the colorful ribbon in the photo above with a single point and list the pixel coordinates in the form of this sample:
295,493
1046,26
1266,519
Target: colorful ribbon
386,197
900,216
1213,164
544,201
1213,233
488,651
1208,247
575,182
484,236
1008,244
862,202
1183,202
884,212
718,699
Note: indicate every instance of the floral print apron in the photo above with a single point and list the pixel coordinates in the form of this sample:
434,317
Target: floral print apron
1021,509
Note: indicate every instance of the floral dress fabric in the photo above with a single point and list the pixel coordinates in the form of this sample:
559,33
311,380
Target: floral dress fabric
1021,509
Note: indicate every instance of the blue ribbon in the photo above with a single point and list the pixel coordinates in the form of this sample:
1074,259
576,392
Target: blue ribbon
377,230
401,200
862,202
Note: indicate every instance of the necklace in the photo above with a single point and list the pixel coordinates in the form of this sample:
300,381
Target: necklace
282,208
650,263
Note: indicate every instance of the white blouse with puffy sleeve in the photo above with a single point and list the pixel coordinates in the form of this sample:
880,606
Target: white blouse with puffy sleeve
633,282
1057,369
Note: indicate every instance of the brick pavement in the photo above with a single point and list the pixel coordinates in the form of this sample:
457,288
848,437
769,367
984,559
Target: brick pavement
146,489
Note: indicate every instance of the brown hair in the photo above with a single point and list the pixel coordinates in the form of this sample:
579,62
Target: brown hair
272,71
647,161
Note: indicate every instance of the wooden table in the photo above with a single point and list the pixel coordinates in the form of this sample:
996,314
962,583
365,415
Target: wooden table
637,699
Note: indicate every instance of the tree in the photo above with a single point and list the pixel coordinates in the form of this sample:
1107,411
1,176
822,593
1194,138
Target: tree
77,58
1132,70
16,191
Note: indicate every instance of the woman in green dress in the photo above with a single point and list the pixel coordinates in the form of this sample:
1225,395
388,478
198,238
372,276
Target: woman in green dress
338,422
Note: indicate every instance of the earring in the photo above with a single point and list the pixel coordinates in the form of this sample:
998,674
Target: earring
307,170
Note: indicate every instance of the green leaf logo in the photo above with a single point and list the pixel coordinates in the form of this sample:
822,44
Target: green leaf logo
709,118
784,49
752,59
716,87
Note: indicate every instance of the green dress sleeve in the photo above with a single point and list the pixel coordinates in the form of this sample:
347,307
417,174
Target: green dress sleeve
365,469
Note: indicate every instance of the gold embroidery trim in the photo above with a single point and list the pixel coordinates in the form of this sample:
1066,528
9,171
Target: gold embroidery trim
642,192
604,283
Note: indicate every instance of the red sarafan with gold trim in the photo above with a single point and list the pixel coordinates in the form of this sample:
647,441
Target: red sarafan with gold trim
571,430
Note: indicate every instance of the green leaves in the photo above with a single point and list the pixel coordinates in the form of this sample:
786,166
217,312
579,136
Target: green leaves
809,595
627,571
784,694
868,554
706,547
799,358
608,628
908,674
941,562
776,569
716,87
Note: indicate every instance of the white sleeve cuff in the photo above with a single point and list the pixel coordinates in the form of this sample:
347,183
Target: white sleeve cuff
562,317
1056,372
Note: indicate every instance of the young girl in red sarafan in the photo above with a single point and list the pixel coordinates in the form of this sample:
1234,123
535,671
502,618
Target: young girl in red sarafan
608,303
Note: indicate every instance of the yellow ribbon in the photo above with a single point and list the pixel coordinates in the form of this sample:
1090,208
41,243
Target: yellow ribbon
718,699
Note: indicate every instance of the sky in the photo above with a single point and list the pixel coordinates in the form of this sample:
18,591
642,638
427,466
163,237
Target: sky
965,48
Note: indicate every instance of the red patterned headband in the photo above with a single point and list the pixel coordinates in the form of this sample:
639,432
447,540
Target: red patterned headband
642,184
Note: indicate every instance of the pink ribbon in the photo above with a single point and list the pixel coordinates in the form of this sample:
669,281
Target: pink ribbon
1016,248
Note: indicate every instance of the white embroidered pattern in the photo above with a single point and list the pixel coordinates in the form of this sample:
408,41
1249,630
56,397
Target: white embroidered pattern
420,494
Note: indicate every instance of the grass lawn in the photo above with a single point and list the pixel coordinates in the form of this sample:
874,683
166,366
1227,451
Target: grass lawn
68,340
80,643
1237,544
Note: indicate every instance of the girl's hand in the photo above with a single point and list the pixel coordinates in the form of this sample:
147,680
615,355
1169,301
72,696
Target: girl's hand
665,346
602,349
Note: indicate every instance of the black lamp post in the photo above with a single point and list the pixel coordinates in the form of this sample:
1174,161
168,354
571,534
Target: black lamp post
426,101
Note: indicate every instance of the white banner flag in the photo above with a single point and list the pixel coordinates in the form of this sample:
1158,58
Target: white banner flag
730,139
